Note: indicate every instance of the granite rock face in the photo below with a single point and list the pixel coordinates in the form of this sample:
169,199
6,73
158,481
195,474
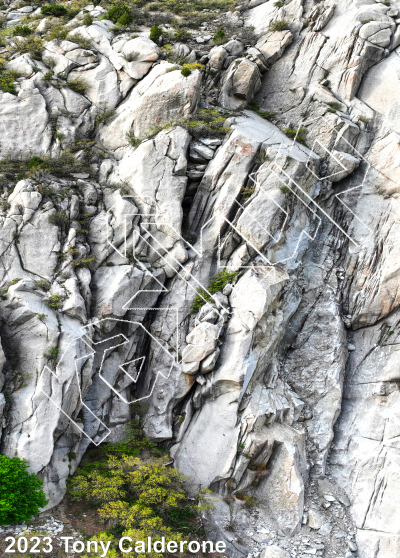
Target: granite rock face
215,248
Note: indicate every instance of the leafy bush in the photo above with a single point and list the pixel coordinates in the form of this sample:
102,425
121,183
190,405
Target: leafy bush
187,69
87,20
42,284
298,134
54,10
58,218
182,35
35,162
7,79
220,280
32,45
333,106
279,4
133,140
155,34
104,116
54,301
21,494
81,41
116,12
52,355
58,32
22,31
138,496
125,20
219,37
78,85
279,25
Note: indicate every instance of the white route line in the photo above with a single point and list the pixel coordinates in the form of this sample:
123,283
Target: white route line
278,171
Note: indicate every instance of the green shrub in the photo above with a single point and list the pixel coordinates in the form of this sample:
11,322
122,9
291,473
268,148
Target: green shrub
254,105
116,12
81,41
298,134
58,218
21,31
104,116
35,162
58,33
182,35
155,34
54,10
219,37
52,355
21,494
333,107
285,189
54,301
7,79
279,4
220,280
364,21
32,45
78,85
87,20
138,496
133,140
42,284
187,69
125,20
72,13
279,25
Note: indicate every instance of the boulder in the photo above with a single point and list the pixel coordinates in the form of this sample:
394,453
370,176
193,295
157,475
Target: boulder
24,123
159,97
240,84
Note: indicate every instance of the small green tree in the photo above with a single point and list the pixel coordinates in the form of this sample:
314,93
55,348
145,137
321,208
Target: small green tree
54,10
155,34
21,494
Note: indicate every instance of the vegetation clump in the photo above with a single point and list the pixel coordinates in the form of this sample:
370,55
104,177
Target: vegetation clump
54,301
78,85
21,493
120,15
87,20
219,37
52,355
254,105
7,79
58,218
187,69
136,493
54,10
220,280
155,34
21,31
279,25
29,45
204,123
297,134
35,162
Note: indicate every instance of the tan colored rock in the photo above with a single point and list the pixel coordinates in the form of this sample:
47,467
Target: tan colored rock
273,45
241,83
